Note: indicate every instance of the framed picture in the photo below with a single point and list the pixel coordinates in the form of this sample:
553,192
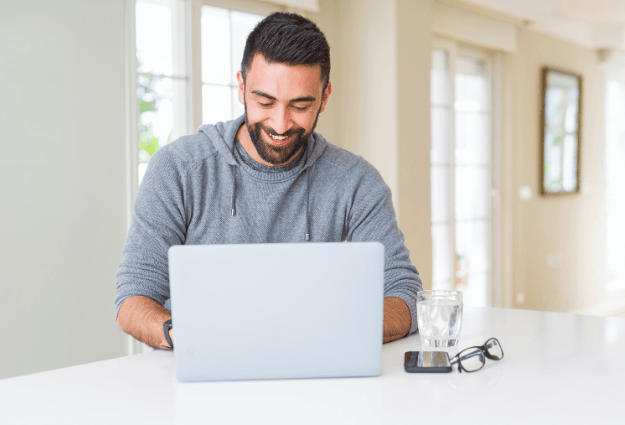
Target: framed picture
560,129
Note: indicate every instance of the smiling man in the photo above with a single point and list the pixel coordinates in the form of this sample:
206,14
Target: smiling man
278,125
265,177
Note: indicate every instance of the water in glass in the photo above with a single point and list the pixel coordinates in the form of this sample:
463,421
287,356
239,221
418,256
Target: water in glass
439,315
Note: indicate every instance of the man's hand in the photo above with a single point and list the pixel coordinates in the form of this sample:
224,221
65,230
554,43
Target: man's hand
397,320
143,318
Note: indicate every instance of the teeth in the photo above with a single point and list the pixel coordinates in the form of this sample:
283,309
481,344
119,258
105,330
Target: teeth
277,137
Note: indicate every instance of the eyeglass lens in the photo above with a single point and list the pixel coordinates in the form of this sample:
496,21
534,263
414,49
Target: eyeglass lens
494,349
471,359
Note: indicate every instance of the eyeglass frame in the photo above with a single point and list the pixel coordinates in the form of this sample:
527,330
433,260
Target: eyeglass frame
483,349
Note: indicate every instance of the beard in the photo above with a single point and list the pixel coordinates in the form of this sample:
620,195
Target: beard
278,155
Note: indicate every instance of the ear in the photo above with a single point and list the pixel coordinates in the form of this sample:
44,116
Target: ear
326,95
241,87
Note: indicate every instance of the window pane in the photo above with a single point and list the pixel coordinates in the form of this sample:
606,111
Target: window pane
569,163
472,247
441,252
216,104
143,166
162,114
440,135
156,113
215,45
242,26
472,139
471,90
561,146
237,107
469,142
440,194
471,193
154,38
615,182
439,78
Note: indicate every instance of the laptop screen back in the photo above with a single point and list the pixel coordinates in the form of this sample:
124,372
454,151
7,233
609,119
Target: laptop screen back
272,311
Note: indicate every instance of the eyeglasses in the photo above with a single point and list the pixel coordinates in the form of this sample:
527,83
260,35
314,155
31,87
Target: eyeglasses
472,359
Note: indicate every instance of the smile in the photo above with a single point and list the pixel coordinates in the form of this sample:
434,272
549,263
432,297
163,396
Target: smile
279,140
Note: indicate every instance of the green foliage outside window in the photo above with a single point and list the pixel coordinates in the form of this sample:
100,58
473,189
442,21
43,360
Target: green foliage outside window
148,99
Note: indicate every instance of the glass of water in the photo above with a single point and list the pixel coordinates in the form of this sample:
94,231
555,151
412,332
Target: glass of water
439,316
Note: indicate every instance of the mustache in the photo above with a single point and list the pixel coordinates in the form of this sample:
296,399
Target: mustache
271,131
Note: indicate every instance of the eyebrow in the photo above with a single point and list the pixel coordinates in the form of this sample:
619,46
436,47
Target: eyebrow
299,99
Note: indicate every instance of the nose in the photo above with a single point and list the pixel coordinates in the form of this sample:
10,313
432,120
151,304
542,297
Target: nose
281,120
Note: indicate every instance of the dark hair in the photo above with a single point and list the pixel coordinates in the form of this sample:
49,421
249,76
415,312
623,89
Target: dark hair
290,39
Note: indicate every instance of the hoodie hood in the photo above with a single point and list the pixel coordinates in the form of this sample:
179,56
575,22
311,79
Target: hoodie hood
222,136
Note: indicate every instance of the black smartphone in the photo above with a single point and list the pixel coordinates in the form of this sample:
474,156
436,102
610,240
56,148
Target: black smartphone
427,362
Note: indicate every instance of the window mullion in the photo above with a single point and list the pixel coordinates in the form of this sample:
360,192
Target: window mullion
173,77
132,134
452,161
495,178
231,58
195,64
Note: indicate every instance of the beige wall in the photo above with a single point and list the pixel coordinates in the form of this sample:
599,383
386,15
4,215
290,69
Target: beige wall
414,51
384,97
569,230
368,83
327,19
552,249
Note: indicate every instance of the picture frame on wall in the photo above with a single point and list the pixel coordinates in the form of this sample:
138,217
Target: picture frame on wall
560,132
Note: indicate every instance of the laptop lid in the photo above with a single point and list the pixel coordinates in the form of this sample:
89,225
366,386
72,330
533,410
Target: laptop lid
276,311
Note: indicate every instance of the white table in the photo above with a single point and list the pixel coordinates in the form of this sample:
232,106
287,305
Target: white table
558,369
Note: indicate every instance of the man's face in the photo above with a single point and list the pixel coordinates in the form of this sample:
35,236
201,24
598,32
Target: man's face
282,104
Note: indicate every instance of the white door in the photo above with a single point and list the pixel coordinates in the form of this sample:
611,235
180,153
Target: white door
462,175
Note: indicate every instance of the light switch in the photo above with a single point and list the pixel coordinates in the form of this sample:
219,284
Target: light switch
525,193
553,261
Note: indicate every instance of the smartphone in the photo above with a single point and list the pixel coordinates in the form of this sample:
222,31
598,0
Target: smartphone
427,362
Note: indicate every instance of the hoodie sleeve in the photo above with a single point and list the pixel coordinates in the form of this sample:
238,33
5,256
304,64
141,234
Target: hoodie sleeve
372,219
158,222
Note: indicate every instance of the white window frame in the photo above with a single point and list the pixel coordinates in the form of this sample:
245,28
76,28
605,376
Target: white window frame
245,6
195,19
193,63
494,60
132,103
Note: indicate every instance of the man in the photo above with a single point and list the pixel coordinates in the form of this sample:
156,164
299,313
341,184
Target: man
264,177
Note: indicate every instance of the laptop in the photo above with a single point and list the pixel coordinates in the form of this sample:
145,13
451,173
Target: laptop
277,311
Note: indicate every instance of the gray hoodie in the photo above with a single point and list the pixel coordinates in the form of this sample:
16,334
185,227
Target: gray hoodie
200,190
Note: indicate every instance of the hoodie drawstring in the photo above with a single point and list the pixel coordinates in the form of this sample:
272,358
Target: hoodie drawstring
307,203
234,182
234,196
234,190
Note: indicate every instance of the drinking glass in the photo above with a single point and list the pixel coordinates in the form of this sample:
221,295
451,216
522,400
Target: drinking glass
439,316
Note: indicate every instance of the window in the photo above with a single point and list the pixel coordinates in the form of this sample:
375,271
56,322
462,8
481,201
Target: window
461,171
615,181
222,60
162,75
182,61
165,61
